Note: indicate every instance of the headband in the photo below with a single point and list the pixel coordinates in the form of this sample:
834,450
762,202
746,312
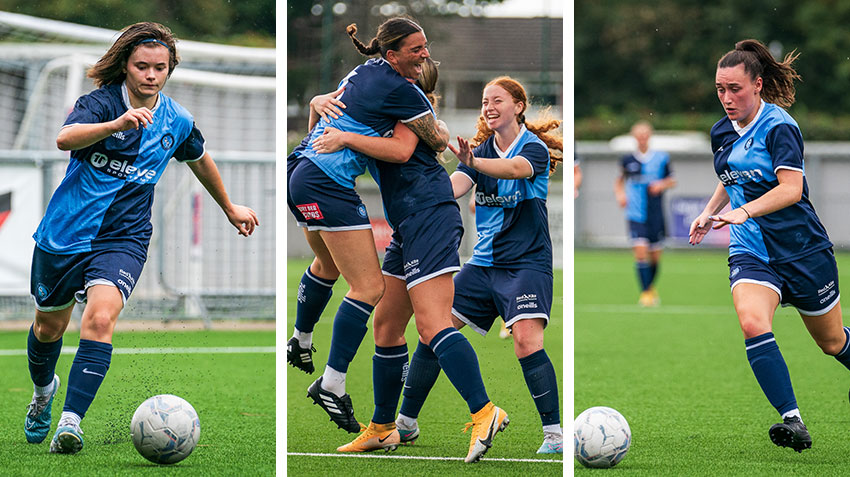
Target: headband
152,40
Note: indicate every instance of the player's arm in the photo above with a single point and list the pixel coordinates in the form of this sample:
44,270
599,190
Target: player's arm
620,191
431,131
78,136
461,184
516,167
324,105
396,149
787,192
243,218
702,224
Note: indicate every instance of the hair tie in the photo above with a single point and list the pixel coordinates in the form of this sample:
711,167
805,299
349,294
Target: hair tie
152,40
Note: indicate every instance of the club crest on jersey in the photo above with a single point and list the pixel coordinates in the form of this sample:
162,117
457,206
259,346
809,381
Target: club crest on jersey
748,144
361,210
167,141
42,290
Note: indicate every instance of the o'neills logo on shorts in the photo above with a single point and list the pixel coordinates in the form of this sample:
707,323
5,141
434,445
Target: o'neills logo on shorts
310,211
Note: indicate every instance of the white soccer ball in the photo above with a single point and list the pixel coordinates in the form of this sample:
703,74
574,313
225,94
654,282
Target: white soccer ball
602,437
165,429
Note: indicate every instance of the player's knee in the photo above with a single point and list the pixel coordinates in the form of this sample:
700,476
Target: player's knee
324,269
48,331
99,323
752,325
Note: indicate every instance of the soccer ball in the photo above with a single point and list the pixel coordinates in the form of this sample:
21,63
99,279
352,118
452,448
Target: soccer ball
165,429
602,437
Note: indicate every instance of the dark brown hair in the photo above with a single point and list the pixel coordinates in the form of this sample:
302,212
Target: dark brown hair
428,80
110,68
777,77
540,127
389,37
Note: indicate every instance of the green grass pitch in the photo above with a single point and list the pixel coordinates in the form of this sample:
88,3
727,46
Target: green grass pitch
234,395
680,376
442,419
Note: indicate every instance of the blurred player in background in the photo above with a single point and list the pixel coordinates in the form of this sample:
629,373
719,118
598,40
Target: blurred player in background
92,243
779,252
645,175
322,198
510,273
418,267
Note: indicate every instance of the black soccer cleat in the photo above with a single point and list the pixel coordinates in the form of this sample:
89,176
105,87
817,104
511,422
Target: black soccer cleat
338,408
791,433
301,358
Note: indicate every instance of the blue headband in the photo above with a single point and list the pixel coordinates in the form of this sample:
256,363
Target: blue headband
153,40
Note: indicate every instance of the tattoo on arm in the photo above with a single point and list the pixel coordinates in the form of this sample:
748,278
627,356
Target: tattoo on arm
425,127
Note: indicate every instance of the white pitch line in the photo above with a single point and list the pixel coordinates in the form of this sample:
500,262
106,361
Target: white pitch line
413,457
195,350
658,310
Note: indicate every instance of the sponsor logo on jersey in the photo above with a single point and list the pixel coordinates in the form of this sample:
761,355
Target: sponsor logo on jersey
167,141
728,177
98,159
494,200
121,169
310,211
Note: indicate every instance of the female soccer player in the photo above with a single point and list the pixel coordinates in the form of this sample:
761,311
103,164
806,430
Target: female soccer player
779,252
321,195
645,175
510,273
92,243
418,267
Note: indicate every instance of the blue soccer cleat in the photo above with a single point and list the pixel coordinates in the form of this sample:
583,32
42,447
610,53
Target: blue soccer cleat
38,420
67,440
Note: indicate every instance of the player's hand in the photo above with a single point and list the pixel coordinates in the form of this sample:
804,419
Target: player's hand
655,188
330,141
734,216
243,218
463,152
328,105
699,227
134,119
621,200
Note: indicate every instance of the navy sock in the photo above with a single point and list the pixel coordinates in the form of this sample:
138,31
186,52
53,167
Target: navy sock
423,373
313,295
653,272
543,385
459,361
389,366
349,330
771,372
87,373
42,359
644,275
843,356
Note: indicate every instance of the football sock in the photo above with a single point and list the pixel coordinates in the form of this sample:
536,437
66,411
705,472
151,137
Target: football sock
644,272
69,418
423,373
771,371
388,370
313,295
87,373
405,422
349,330
42,359
460,363
792,413
843,356
333,381
305,340
543,385
653,272
553,429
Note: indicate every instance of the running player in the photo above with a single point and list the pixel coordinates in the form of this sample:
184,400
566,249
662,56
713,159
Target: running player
418,267
645,175
779,252
510,273
92,243
322,198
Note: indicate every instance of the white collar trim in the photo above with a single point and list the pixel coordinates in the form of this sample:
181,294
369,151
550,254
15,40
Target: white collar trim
504,154
743,130
125,95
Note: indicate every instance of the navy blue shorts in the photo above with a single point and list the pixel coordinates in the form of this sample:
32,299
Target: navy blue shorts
809,284
649,232
57,280
424,245
483,293
318,202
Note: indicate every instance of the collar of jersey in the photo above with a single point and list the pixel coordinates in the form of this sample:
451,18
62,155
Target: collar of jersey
125,96
743,130
507,152
642,157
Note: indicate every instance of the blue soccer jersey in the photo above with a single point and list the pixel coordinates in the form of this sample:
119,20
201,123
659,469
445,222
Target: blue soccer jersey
640,170
746,161
375,98
510,214
105,199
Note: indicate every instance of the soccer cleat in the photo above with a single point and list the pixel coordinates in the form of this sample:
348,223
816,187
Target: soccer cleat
504,332
649,298
301,358
338,408
553,443
374,437
67,440
485,424
38,420
791,433
407,435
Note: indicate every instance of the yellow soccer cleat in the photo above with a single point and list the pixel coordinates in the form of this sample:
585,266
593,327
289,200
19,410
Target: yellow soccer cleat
485,424
374,437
